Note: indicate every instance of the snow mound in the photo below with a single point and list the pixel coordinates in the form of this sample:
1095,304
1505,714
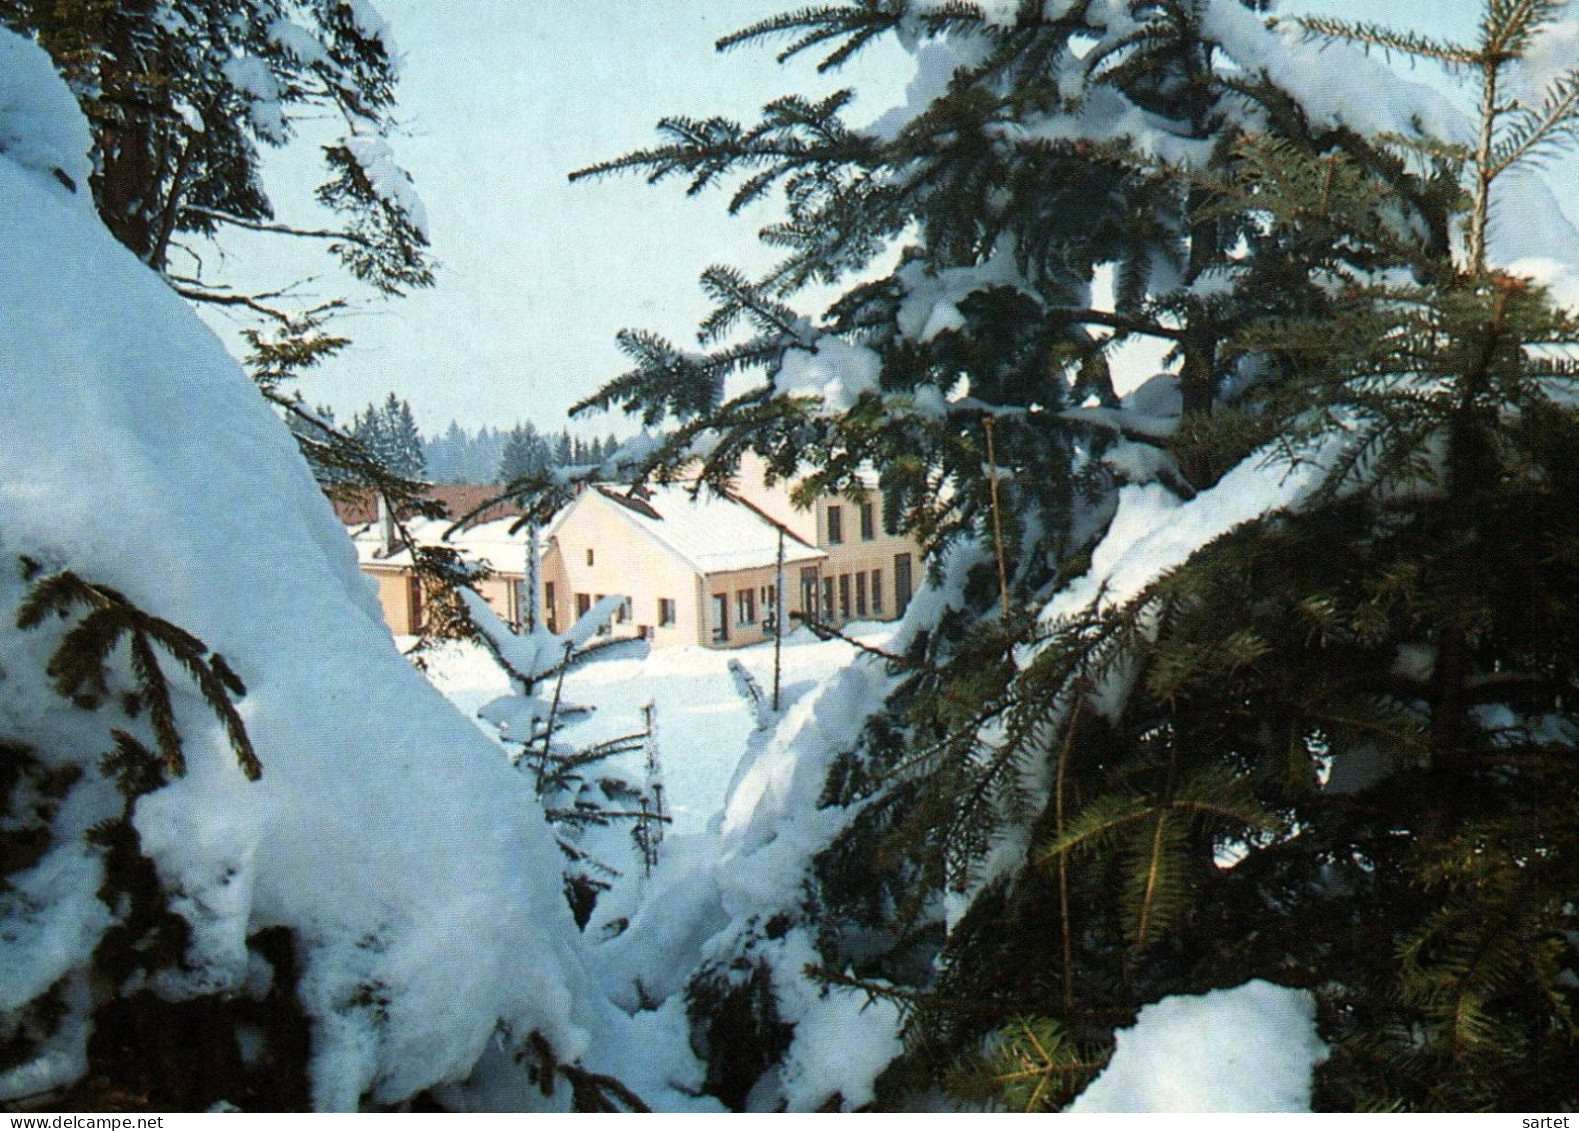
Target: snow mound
1153,531
386,832
1250,1049
835,371
41,127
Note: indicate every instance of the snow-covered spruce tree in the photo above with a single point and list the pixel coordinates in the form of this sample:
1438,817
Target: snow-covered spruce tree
1336,746
525,453
607,826
174,932
387,430
1042,140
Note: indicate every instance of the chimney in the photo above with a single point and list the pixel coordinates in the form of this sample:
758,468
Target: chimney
386,526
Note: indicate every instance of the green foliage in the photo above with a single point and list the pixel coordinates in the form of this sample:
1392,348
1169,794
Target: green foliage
145,1051
80,669
735,1020
297,343
1334,748
1033,1066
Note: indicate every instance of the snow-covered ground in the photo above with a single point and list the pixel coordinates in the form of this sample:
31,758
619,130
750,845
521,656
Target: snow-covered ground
703,722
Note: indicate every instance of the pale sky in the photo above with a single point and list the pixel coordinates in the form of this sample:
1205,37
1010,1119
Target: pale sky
501,100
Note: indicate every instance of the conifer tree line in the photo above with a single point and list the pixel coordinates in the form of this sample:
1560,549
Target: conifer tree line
1334,746
496,455
389,431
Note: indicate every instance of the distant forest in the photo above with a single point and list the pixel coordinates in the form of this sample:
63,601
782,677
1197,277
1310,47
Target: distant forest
498,455
457,455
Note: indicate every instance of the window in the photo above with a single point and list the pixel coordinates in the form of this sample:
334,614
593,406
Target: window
827,599
808,593
589,555
665,612
860,594
720,618
550,613
583,605
623,613
844,596
746,606
835,525
868,527
877,592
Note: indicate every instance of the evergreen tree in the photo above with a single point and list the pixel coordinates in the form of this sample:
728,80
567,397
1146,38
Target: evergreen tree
406,456
483,460
443,453
1368,694
1360,700
367,427
524,454
388,432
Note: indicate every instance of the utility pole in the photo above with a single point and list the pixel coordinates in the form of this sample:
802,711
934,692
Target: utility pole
778,621
997,521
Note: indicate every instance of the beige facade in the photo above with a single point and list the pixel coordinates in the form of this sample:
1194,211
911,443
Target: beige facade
869,573
593,554
680,589
694,571
400,596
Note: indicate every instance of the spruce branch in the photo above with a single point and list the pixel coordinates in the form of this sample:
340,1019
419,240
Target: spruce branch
1541,132
1371,35
80,663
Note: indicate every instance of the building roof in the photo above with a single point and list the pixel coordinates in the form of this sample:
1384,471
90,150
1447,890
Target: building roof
709,533
487,543
458,499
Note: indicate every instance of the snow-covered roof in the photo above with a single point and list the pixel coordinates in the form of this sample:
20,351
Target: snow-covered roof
486,543
710,533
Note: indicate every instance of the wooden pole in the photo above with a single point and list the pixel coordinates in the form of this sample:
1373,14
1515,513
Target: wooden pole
778,622
997,520
553,711
532,614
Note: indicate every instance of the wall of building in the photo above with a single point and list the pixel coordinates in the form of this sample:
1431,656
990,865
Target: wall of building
854,560
397,596
762,586
626,561
862,563
500,591
623,561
